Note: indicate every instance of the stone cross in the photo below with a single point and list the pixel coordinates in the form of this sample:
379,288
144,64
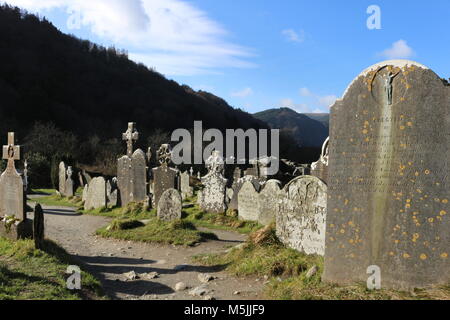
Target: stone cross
11,152
130,136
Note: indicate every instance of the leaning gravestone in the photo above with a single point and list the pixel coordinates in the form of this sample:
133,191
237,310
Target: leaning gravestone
14,223
269,199
213,193
170,205
301,220
388,178
249,206
96,194
62,178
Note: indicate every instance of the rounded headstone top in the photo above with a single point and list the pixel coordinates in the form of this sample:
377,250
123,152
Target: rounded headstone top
379,65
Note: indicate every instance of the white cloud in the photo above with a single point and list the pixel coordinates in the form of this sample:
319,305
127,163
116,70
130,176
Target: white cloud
398,50
242,93
327,101
294,36
304,92
173,36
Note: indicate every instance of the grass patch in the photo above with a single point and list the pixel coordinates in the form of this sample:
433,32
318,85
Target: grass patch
58,201
286,270
177,232
30,274
225,221
134,210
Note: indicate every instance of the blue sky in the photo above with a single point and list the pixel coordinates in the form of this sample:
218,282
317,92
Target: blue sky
260,54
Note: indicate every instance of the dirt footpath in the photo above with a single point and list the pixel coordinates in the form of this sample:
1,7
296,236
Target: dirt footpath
110,259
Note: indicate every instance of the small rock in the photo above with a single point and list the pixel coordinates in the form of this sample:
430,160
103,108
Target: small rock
205,278
131,275
111,255
209,298
199,291
311,272
180,286
149,276
236,293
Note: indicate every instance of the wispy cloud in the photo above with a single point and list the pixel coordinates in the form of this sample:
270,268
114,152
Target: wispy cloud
242,93
293,36
173,36
399,50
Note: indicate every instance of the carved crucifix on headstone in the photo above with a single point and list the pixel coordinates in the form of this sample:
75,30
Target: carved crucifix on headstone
130,136
11,152
389,79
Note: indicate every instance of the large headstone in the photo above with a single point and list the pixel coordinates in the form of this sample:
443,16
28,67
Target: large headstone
139,183
389,178
213,193
170,205
62,178
12,197
269,202
249,206
96,194
301,220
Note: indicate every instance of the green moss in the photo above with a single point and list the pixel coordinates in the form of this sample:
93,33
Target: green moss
30,274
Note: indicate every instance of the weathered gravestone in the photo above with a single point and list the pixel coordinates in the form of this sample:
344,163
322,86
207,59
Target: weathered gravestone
319,169
139,183
388,178
132,170
85,193
301,220
38,227
237,185
170,205
96,194
164,177
213,193
112,192
248,203
124,180
13,218
186,190
69,184
62,178
269,199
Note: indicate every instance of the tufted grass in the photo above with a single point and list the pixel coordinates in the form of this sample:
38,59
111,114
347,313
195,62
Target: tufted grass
30,274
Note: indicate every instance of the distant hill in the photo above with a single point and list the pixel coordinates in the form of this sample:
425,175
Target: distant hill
324,118
86,89
307,132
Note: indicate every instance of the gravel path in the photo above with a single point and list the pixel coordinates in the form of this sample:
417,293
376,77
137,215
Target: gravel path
109,259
